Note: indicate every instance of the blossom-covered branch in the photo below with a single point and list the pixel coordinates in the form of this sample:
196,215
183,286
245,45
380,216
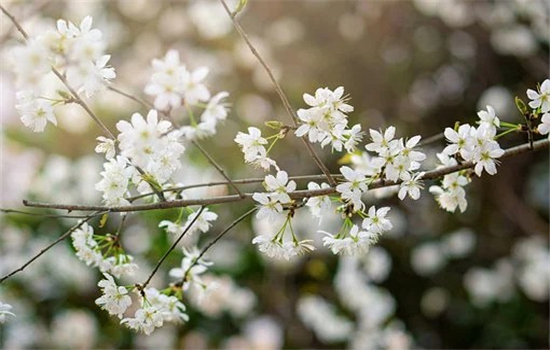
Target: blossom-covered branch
298,194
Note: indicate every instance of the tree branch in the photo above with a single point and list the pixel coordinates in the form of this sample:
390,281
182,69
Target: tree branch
280,92
299,194
51,245
214,241
144,285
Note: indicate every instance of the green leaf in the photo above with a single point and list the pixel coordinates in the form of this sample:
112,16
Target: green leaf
103,220
521,106
274,124
240,7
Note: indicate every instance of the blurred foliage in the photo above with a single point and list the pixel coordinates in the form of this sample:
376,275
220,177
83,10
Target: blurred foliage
399,66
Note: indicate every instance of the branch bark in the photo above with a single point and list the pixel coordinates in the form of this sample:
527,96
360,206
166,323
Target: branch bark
299,194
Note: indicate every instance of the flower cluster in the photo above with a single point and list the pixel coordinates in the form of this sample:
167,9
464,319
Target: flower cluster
173,85
114,299
451,194
252,145
397,158
355,240
272,201
318,205
202,223
117,263
271,204
477,145
145,143
540,102
115,180
192,267
76,52
156,309
326,121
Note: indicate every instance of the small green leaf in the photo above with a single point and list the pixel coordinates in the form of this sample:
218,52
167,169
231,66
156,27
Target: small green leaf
64,94
240,7
521,106
103,220
274,124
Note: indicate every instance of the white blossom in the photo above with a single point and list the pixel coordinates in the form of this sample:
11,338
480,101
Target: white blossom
540,99
353,188
318,204
35,112
114,299
376,221
489,118
279,186
544,126
411,187
107,146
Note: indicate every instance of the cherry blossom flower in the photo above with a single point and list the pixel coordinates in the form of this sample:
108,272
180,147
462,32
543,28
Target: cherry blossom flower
488,117
353,188
376,221
114,299
411,187
319,204
106,146
279,186
540,99
544,126
35,112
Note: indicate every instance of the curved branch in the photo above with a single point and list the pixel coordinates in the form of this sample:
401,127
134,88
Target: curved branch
280,92
144,285
299,194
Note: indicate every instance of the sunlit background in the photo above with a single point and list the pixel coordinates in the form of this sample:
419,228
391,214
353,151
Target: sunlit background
438,280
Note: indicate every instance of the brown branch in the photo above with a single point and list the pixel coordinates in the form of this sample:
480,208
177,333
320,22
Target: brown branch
432,139
214,241
15,23
131,97
299,194
51,245
280,92
77,99
195,143
219,168
142,287
240,181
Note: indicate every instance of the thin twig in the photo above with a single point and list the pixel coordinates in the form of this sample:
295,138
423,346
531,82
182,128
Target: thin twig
15,23
76,97
219,168
78,100
36,9
44,215
131,97
144,285
49,246
432,139
195,143
214,241
280,92
299,194
252,180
